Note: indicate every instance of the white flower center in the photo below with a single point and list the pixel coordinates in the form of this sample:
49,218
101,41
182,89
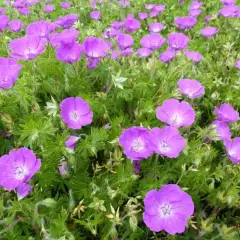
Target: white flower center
20,172
137,145
165,210
74,115
176,119
164,146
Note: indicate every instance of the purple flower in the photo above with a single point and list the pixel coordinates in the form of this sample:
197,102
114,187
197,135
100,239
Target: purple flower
178,41
76,112
117,25
167,141
195,5
2,11
127,52
130,16
3,22
233,149
142,16
207,19
19,4
176,114
124,41
195,12
136,165
194,56
71,142
69,53
226,113
18,167
95,47
132,25
49,8
185,22
229,11
222,130
28,47
15,25
144,52
9,71
92,62
191,88
155,27
150,6
153,14
167,209
167,56
136,143
95,15
228,2
237,65
66,5
63,169
67,37
159,8
124,3
68,20
24,11
110,33
115,55
23,190
40,28
209,32
152,41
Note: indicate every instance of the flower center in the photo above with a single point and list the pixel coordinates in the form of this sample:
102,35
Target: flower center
137,145
20,172
176,119
74,115
232,153
165,210
164,146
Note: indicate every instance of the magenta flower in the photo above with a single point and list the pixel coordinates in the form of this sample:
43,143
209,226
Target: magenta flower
176,114
144,52
130,16
3,22
28,47
117,25
75,112
15,25
24,11
226,113
110,33
124,41
127,52
159,8
63,169
68,20
92,62
124,3
228,2
230,11
195,5
207,19
18,167
209,32
136,143
71,142
191,88
9,71
66,5
178,41
2,11
195,12
222,130
95,15
185,22
132,25
237,65
193,56
23,190
167,56
150,6
40,28
167,209
153,14
152,41
233,149
167,141
49,8
69,53
95,47
155,27
142,16
67,37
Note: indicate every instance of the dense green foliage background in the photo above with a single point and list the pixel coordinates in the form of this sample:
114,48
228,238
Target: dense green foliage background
102,198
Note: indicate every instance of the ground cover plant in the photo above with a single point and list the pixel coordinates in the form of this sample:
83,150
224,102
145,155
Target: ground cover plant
119,119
